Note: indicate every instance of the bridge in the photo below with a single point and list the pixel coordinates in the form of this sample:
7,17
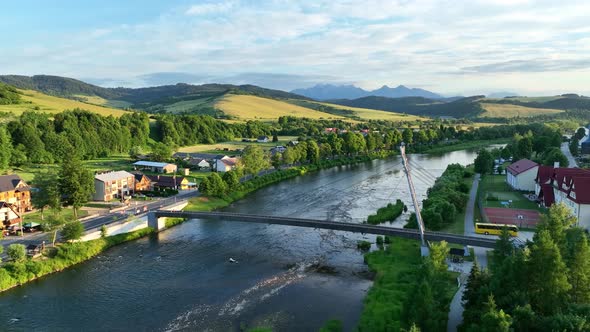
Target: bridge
156,221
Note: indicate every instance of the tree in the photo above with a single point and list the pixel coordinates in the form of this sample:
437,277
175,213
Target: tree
53,224
484,162
289,156
16,252
47,194
72,230
524,148
555,155
275,138
5,148
1,251
579,271
215,185
555,222
580,133
161,152
494,320
407,136
254,160
575,146
75,183
548,284
313,151
438,256
231,179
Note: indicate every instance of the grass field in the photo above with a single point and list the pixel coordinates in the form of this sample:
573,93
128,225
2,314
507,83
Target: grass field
244,107
371,114
53,105
510,111
529,99
96,100
233,145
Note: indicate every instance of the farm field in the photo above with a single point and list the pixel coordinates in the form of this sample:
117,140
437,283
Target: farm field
371,114
96,100
510,111
233,145
245,107
54,105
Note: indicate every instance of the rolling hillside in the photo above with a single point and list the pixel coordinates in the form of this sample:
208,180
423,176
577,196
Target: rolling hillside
244,107
39,102
493,110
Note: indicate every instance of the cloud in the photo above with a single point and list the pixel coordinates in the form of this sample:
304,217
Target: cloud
533,65
290,44
209,8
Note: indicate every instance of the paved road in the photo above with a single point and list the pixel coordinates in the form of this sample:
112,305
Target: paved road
456,309
93,223
565,148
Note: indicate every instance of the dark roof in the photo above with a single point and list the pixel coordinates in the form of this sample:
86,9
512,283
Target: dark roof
521,166
9,183
457,252
263,137
165,181
544,174
581,186
139,176
546,194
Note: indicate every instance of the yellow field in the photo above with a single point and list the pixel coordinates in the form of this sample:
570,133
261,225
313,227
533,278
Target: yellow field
53,105
371,114
511,111
246,107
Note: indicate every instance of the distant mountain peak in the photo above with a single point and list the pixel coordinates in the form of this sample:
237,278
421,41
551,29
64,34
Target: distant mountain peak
329,91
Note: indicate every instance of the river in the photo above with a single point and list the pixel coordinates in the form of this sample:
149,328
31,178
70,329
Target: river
287,278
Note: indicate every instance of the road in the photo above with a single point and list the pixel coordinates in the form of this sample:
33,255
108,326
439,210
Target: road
96,222
565,148
456,308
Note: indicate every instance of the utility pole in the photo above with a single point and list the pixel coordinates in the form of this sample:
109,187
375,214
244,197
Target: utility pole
424,247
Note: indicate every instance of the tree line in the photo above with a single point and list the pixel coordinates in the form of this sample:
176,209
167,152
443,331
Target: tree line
544,286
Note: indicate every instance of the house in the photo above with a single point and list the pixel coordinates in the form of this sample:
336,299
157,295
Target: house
521,175
262,139
292,143
570,186
277,149
9,216
142,182
226,164
162,182
15,191
111,185
585,147
198,163
155,166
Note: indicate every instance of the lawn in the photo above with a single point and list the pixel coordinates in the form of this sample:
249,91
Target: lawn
496,186
67,213
202,203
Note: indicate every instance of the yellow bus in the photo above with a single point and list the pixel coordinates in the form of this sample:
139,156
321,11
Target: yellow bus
495,229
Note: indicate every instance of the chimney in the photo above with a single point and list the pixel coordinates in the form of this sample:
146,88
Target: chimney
556,164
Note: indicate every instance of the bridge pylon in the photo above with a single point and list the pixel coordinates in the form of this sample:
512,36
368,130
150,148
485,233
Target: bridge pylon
424,247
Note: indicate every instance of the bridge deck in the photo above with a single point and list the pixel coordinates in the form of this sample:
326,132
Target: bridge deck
334,225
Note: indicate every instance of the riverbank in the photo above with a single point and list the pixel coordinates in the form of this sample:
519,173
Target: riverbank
444,148
66,255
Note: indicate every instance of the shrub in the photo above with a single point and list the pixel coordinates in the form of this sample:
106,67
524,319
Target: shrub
16,252
73,230
363,245
388,213
379,240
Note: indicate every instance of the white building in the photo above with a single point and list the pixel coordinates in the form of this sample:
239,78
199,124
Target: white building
226,164
521,175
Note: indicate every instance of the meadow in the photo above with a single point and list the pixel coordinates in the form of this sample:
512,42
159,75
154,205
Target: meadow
511,111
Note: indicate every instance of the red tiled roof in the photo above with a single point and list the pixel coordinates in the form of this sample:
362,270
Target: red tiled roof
520,166
546,194
559,175
581,186
544,174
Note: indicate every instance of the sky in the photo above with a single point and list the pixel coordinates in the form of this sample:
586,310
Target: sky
450,47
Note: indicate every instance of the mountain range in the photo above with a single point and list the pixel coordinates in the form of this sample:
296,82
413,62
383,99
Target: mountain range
329,92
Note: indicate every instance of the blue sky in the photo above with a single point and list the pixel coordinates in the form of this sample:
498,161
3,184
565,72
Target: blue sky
452,47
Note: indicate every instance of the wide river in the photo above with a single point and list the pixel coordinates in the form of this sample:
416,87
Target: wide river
181,279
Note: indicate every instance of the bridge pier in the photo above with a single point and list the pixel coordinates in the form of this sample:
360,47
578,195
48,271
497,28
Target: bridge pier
155,222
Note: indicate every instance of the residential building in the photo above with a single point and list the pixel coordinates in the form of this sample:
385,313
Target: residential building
585,147
111,185
277,149
226,164
521,175
15,191
142,182
570,186
262,139
198,163
161,182
8,215
155,166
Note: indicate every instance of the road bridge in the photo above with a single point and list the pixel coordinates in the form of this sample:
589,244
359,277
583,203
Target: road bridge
156,221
